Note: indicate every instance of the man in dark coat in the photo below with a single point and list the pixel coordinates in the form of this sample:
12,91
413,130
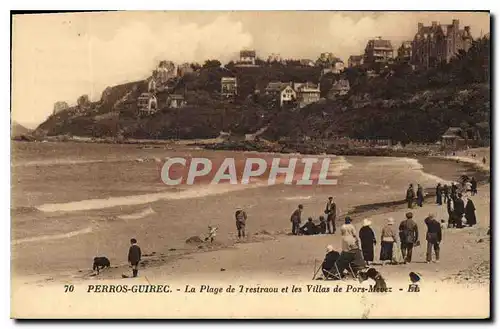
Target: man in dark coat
410,195
470,212
458,211
408,233
309,227
331,215
241,220
296,219
433,237
473,186
439,194
420,195
454,189
322,225
134,257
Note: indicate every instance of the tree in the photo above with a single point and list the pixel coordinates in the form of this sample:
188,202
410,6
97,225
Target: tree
83,101
212,63
60,106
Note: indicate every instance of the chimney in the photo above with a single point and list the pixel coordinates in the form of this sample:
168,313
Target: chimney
420,26
456,23
434,24
467,30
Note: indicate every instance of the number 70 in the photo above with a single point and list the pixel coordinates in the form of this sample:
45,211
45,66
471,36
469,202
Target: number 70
69,288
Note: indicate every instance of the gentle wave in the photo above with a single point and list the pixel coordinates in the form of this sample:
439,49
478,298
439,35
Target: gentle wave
417,166
291,198
138,215
54,162
53,237
92,204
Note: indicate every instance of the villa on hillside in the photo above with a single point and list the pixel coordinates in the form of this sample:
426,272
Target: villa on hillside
355,60
339,88
176,101
307,93
229,87
147,104
282,91
247,58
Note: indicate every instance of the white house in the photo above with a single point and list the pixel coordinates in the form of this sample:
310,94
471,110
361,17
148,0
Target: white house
147,103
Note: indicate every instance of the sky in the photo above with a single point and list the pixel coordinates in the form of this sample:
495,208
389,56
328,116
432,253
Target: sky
59,57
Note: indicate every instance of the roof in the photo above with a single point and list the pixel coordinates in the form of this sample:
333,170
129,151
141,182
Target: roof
453,132
247,53
176,96
356,57
228,79
277,86
379,43
406,44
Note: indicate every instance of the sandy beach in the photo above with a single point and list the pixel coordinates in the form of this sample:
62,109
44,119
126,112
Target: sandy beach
273,258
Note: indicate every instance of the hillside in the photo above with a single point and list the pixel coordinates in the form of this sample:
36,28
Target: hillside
398,104
17,130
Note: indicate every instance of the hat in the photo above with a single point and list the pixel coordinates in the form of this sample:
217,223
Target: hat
329,247
409,215
310,219
301,206
390,220
321,218
348,220
367,222
330,198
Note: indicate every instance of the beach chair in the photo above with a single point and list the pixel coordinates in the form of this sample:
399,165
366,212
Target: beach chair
334,273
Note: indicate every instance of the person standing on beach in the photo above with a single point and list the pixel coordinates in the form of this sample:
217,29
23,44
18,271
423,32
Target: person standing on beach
134,256
458,210
331,213
388,238
470,212
446,193
410,195
454,189
368,241
241,220
408,233
420,195
439,192
451,215
473,186
433,237
296,219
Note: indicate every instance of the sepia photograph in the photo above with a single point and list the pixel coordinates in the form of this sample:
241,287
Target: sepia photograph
250,165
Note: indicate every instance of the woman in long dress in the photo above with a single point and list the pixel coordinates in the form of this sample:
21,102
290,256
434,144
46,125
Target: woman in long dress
470,212
368,241
388,238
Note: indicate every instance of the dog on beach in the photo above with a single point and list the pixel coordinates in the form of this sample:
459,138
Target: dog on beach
100,263
375,275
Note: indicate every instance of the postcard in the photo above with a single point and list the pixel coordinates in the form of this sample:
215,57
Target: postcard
240,165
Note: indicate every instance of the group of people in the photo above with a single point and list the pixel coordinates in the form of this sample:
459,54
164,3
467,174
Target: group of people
411,196
396,245
326,225
460,207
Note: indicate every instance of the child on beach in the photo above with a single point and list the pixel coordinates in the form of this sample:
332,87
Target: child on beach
212,232
134,256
